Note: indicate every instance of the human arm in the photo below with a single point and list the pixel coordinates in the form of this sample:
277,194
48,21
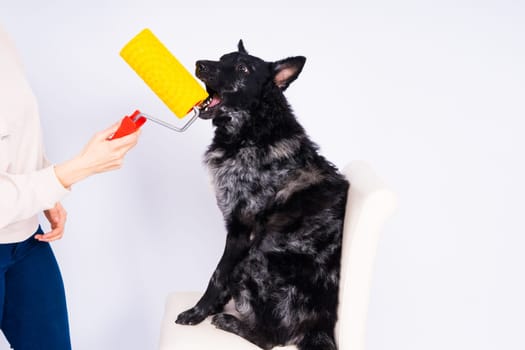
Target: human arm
25,195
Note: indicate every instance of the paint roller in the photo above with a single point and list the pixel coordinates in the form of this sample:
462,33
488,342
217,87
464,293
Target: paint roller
167,77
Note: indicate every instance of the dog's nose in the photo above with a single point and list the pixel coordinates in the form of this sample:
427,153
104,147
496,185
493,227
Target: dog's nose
201,67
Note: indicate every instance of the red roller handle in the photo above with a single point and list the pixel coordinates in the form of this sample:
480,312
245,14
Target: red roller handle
129,125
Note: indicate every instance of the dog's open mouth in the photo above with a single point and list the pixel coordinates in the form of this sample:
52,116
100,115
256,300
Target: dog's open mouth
215,100
210,104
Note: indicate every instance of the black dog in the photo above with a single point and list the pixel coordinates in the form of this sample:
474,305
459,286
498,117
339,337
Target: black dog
283,205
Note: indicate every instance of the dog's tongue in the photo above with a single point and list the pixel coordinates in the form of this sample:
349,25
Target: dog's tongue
214,101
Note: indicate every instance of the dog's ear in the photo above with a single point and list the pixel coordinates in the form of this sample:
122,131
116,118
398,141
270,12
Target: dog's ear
240,47
287,70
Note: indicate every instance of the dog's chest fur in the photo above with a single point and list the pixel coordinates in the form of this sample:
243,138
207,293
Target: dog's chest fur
244,182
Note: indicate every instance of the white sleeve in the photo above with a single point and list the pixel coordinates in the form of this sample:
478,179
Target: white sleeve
25,195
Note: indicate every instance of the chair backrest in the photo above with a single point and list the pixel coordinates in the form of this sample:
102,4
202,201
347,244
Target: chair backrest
369,204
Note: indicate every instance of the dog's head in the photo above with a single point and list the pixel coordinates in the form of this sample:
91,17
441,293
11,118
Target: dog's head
238,80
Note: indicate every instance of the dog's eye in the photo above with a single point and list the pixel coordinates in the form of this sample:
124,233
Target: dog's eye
242,68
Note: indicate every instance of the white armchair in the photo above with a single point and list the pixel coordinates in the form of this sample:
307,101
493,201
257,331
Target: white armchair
369,204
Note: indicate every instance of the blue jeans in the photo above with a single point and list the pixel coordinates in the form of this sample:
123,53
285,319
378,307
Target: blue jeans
33,313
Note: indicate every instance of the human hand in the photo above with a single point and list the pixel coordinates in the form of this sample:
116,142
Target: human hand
99,155
57,218
102,154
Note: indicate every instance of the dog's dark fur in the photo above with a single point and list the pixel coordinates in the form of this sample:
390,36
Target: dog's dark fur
283,205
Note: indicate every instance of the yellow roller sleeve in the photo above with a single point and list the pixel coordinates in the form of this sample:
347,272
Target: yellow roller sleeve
163,73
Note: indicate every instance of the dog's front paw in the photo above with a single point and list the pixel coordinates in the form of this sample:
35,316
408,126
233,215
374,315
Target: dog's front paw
191,317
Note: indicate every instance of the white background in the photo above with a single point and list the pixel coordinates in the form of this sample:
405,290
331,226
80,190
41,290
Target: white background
431,93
